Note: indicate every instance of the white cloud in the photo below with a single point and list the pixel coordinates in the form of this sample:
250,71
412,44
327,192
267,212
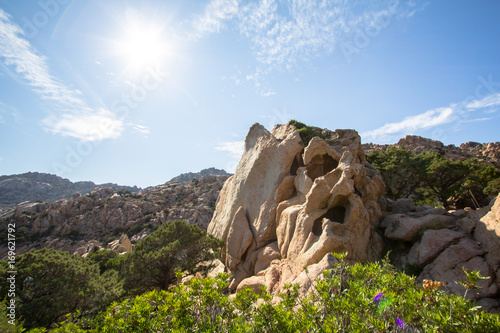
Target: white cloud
434,118
91,126
282,36
235,151
18,52
73,116
285,33
410,125
214,17
488,101
234,148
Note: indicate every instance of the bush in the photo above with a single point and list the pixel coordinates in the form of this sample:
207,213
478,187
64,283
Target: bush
349,298
431,178
306,132
8,325
50,284
174,246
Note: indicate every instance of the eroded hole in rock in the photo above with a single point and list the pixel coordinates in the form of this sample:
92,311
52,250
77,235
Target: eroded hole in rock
336,214
358,192
321,165
296,164
317,226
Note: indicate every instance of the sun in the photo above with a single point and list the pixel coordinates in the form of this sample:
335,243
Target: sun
142,46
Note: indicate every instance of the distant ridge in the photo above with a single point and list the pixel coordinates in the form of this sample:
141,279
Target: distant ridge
185,177
36,186
487,152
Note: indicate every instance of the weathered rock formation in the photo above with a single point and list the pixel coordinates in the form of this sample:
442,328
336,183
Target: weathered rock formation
288,206
436,244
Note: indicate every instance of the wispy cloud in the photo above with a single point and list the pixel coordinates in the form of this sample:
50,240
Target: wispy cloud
456,112
476,120
235,151
282,36
234,148
73,117
492,100
144,130
86,126
412,124
217,12
285,33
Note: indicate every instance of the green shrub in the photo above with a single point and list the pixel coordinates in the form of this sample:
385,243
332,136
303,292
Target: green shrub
433,179
7,324
174,246
349,298
306,132
50,284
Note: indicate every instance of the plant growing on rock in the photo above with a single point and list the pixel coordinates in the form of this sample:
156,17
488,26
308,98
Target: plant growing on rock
306,132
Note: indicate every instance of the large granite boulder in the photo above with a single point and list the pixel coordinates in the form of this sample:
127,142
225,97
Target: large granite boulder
289,205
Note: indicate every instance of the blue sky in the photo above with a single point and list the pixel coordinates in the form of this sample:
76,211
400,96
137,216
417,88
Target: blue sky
136,92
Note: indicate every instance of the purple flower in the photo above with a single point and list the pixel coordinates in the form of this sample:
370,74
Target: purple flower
400,323
378,297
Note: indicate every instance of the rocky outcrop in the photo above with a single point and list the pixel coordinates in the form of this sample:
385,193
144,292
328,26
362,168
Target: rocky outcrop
122,245
438,245
34,186
184,177
488,152
81,223
288,206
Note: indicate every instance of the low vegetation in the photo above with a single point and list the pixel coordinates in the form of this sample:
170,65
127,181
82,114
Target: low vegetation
371,297
51,283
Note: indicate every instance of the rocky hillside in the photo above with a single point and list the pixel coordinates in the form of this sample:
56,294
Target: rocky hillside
87,221
184,177
489,152
34,186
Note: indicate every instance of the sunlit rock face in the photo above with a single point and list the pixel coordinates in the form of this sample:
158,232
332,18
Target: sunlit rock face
288,206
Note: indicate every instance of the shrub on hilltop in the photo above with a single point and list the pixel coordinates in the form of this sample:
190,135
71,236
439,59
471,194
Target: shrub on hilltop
306,132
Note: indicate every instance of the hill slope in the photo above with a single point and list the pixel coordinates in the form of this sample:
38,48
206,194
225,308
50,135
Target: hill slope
35,186
184,177
84,221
